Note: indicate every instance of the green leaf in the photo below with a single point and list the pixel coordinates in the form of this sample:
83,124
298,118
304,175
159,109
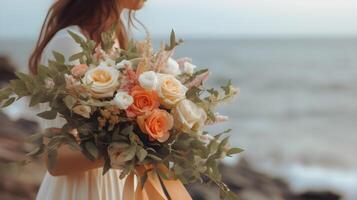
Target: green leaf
49,115
78,39
5,93
173,42
233,151
141,153
70,101
172,38
154,157
42,71
19,88
127,130
220,134
106,166
92,150
59,57
76,56
8,102
36,99
129,154
22,76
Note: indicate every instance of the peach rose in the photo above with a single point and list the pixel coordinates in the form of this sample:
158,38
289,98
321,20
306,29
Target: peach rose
156,124
144,101
79,70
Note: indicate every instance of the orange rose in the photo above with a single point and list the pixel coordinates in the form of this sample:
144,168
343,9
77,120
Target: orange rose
156,124
144,101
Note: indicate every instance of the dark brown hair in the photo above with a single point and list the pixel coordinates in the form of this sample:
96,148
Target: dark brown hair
92,16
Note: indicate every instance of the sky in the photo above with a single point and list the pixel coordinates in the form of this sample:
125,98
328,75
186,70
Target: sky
209,18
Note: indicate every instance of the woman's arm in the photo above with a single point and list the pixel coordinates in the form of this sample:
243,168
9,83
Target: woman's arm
70,161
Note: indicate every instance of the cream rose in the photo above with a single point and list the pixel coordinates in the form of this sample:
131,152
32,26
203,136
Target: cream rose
123,100
103,81
188,116
172,67
170,90
148,80
83,111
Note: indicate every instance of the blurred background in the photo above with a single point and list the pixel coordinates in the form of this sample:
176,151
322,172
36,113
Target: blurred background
294,61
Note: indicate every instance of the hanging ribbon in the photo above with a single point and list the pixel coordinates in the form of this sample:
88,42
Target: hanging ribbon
153,188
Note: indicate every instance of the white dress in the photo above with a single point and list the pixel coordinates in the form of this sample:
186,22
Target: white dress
89,185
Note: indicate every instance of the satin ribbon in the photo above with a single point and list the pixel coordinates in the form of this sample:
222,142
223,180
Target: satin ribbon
153,189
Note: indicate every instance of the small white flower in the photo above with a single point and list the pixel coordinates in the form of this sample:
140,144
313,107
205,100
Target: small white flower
188,68
122,64
148,80
172,67
123,100
83,111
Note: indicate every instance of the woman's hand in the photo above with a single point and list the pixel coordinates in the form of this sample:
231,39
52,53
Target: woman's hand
70,161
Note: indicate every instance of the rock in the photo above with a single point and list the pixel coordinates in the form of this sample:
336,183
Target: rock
249,184
317,196
17,181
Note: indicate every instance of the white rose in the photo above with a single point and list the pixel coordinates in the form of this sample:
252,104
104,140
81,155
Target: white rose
122,64
148,80
103,81
189,117
172,67
170,90
188,68
123,100
83,111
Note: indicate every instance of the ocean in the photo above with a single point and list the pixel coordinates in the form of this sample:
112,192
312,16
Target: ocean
296,116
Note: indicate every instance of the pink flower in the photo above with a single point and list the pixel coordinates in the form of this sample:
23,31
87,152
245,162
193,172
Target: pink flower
79,70
182,61
198,80
129,79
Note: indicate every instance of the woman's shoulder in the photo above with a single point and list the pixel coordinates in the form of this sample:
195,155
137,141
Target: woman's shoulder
63,43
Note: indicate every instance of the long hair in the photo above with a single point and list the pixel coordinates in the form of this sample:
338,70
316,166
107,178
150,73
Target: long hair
92,16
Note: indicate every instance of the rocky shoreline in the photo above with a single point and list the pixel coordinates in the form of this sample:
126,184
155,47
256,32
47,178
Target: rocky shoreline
252,185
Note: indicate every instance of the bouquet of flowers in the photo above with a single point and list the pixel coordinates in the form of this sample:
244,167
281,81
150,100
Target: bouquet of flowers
141,111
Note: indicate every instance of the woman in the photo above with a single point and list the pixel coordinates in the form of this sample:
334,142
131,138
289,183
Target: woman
74,176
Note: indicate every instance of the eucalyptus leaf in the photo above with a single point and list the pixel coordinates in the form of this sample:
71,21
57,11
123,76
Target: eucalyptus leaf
70,101
233,151
92,149
59,57
49,115
141,153
8,102
129,154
